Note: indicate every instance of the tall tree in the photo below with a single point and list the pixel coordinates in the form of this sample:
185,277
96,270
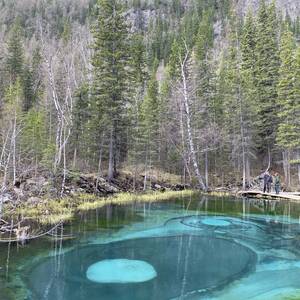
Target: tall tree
287,135
111,72
295,111
266,76
247,108
15,53
150,125
181,63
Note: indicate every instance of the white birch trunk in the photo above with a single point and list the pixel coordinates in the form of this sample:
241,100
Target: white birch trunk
186,103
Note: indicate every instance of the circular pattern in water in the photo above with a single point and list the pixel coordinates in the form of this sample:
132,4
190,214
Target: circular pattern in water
120,271
184,264
215,222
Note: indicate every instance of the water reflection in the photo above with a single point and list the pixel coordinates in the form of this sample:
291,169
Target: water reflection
198,247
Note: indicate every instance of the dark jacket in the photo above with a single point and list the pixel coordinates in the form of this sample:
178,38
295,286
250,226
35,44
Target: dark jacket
267,178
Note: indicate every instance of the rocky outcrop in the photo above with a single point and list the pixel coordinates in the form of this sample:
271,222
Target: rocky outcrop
32,189
292,7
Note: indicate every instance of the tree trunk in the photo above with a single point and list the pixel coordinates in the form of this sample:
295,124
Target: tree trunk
206,168
99,168
248,172
298,165
286,167
74,158
14,147
269,157
188,124
146,169
298,168
111,157
244,154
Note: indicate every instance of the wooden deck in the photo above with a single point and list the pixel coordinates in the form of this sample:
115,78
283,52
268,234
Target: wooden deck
270,196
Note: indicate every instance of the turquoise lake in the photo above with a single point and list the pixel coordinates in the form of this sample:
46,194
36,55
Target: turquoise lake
188,248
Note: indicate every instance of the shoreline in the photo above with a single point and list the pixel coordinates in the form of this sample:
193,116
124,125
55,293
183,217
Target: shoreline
52,212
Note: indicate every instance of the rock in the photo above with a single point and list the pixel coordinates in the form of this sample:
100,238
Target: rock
40,180
53,191
5,198
179,187
18,192
34,185
158,187
33,200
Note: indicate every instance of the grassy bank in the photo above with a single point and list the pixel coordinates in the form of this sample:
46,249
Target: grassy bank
53,211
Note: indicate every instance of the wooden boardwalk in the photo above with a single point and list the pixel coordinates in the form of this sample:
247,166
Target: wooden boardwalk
270,196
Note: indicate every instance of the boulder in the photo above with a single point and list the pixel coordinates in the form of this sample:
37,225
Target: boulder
33,200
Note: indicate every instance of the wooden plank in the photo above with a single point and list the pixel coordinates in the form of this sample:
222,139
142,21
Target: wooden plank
260,194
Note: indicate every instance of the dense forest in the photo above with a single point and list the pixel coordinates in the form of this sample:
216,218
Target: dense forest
192,88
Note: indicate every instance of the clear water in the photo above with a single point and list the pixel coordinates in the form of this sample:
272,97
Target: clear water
197,248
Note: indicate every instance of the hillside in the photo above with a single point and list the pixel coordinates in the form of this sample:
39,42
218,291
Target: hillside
199,90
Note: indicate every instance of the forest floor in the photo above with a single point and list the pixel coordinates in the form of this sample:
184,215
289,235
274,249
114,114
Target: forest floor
35,204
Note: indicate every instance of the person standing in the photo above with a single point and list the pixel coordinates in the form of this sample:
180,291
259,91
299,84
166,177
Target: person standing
269,184
277,183
266,181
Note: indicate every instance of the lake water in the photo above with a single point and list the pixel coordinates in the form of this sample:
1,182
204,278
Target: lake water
189,248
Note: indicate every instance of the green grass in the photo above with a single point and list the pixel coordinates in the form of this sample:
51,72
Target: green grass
55,211
90,202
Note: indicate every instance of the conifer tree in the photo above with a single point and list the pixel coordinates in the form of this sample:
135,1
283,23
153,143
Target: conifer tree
15,56
238,106
288,100
81,128
248,44
28,89
111,65
33,139
149,121
140,74
286,92
150,115
295,112
204,37
266,76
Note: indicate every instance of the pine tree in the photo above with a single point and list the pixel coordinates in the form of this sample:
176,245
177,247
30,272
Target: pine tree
266,76
81,131
288,135
138,52
295,111
204,38
111,64
28,89
177,50
248,44
248,89
149,126
150,116
15,56
238,106
286,92
140,74
33,137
